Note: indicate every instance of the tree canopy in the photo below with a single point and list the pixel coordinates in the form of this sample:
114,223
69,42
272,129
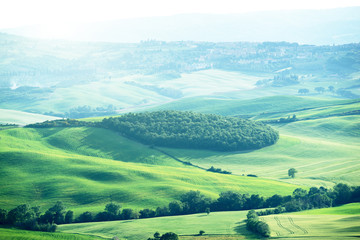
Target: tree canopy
193,130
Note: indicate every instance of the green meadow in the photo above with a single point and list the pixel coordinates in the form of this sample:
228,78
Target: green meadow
222,223
16,234
22,118
308,226
338,223
323,145
89,167
347,209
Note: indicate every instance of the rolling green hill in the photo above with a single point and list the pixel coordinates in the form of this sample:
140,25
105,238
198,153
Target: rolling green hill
15,234
333,227
323,151
263,107
347,209
22,118
87,168
222,223
339,224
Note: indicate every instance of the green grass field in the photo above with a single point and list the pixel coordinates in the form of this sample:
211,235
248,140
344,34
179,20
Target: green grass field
224,223
115,91
347,209
88,167
22,118
338,223
324,151
289,226
16,234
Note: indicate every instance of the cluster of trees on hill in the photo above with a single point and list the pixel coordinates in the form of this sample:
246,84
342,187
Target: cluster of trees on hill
61,123
85,111
166,236
218,170
255,225
193,130
341,92
30,218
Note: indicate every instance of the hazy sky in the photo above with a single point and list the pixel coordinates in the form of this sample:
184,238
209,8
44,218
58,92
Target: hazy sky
14,13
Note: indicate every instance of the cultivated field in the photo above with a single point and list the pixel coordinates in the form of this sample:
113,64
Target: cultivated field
332,227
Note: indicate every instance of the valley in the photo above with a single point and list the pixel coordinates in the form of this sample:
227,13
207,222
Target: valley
184,136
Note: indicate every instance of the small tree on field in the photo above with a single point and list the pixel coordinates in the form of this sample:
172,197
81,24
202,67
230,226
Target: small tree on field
291,172
169,236
207,210
157,235
201,232
303,91
319,89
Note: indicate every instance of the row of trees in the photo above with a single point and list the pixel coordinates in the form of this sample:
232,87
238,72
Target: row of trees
30,218
61,123
166,236
218,170
193,130
195,202
342,92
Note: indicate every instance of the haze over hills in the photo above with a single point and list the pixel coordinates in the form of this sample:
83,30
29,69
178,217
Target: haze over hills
185,114
319,27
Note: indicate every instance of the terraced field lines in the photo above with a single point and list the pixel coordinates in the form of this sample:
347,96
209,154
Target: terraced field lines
281,226
297,226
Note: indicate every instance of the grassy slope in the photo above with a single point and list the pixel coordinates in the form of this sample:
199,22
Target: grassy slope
324,150
16,234
115,91
86,168
213,81
338,224
214,223
347,209
291,226
318,149
22,118
239,106
263,106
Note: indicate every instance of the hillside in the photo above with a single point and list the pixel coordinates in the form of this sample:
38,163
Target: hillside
75,165
322,144
22,118
15,234
76,79
261,107
230,224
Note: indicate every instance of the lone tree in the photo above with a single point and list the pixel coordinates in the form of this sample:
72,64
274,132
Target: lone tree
291,172
169,236
201,232
157,235
207,210
303,91
319,89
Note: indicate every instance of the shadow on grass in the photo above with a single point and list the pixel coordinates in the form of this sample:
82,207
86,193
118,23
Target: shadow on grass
242,230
